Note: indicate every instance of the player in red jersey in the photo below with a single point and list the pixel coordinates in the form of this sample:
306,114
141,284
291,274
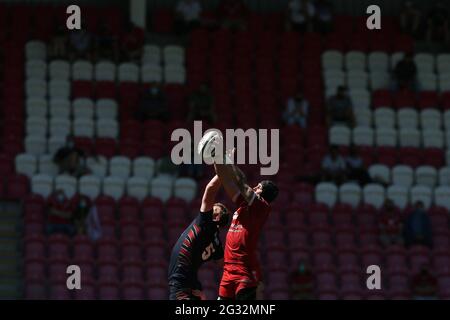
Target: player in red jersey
242,272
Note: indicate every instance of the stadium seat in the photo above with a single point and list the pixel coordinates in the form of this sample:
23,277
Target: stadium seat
402,175
185,188
60,70
380,172
66,183
384,118
433,138
144,167
89,185
444,176
113,187
350,193
26,164
151,73
128,72
35,50
378,61
326,193
339,135
36,69
161,187
106,109
98,165
82,70
421,193
430,119
105,71
138,187
47,166
120,166
374,194
386,137
407,118
399,195
442,197
409,138
59,89
35,145
426,176
107,128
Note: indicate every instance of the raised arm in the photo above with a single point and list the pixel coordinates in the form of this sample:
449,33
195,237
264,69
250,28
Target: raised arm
209,196
234,181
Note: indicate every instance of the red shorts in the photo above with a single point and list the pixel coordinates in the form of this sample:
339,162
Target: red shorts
235,278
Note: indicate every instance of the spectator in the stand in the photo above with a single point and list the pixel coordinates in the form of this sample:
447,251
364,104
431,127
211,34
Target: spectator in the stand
106,43
424,285
70,161
81,44
201,104
302,282
390,223
340,108
58,44
324,16
437,24
81,212
410,18
300,15
233,14
333,166
405,73
188,14
418,227
355,166
153,104
297,111
132,43
60,213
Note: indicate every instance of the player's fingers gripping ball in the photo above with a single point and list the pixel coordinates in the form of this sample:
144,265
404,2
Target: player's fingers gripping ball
209,146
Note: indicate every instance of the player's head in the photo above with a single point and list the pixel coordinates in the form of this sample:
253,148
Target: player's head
267,190
220,214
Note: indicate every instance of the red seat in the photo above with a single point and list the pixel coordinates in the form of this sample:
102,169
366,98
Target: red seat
133,291
105,89
428,99
82,89
105,147
382,98
60,292
35,290
107,251
17,187
106,207
108,292
87,292
162,20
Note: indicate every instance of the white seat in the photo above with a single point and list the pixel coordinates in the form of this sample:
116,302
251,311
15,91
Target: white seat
36,126
83,128
444,176
402,175
66,183
82,70
36,107
374,194
59,89
120,166
55,142
357,80
426,176
409,138
185,188
83,108
47,166
361,98
35,49
340,135
332,59
98,166
60,108
384,118
428,81
105,71
424,62
36,69
151,54
114,187
326,193
395,58
430,119
26,164
138,187
60,127
42,184
379,80
106,109
433,138
447,154
380,172
128,72
421,193
59,69
355,60
442,197
444,85
173,55
107,128
399,195
144,167
363,136
151,73
350,193
35,145
443,63
378,61
174,74
386,137
407,118
363,117
90,186
161,187
447,120
36,88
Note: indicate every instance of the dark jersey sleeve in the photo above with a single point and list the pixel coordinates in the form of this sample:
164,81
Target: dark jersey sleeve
205,218
218,248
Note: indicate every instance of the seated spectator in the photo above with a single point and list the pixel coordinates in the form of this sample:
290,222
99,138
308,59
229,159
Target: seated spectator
418,227
324,16
390,224
410,19
233,14
60,213
188,14
424,285
81,44
302,283
300,15
437,24
132,42
355,167
70,161
333,166
153,104
201,105
58,43
405,73
106,43
297,111
340,108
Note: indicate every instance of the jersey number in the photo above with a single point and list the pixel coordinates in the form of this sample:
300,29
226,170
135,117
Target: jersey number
208,252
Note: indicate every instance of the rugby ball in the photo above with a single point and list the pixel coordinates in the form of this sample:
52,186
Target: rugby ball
206,146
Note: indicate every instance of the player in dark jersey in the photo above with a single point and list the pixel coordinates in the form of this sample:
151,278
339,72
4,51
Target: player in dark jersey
242,272
199,243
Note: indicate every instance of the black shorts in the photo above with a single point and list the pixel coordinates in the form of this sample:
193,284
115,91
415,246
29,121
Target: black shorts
178,292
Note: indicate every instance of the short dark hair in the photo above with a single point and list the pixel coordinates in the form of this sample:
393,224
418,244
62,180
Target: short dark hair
224,215
269,190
